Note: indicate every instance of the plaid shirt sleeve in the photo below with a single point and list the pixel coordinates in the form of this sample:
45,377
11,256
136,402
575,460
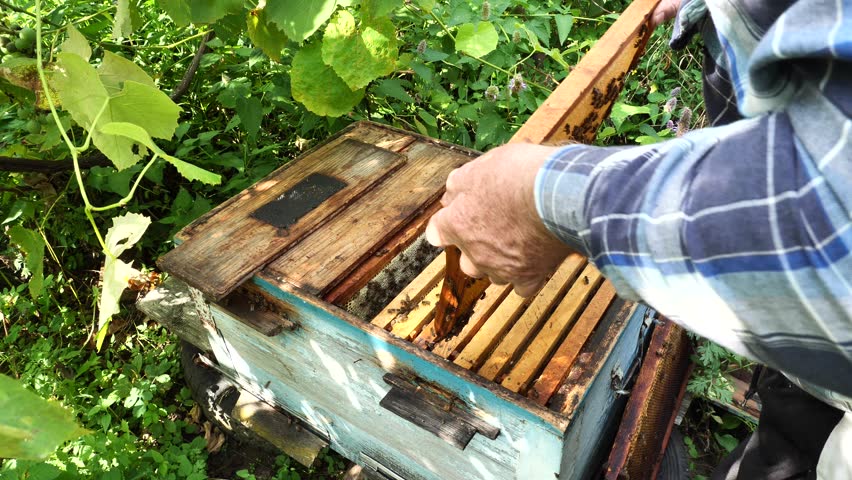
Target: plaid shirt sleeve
739,232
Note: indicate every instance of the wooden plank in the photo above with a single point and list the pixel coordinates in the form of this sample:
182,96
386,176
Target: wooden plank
445,401
561,361
539,350
378,135
253,310
236,245
441,423
472,356
408,324
533,317
738,406
344,288
346,241
450,347
171,305
413,293
281,430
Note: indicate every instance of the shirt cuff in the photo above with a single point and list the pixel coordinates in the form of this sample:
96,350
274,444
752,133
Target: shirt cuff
560,188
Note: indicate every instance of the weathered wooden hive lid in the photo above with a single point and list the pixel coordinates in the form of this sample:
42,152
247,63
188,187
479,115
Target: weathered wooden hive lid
309,224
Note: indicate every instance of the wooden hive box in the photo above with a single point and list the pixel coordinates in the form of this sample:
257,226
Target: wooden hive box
275,302
315,291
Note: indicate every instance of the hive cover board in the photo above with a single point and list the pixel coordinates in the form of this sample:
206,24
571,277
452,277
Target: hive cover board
311,221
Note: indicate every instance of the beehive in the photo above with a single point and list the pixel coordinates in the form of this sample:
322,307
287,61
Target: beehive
315,291
277,287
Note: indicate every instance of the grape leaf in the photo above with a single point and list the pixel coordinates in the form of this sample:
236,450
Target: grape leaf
476,40
126,230
265,35
359,57
80,90
208,11
31,428
115,70
76,43
145,106
139,135
32,245
378,8
317,87
22,77
184,12
83,95
299,19
249,110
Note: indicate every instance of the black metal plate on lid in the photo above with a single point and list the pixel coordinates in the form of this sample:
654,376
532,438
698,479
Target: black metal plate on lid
293,204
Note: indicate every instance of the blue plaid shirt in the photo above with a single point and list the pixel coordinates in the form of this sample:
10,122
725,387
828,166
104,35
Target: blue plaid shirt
740,232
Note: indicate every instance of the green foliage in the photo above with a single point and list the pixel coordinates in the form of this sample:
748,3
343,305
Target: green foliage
713,364
138,134
118,91
371,9
265,35
32,245
359,56
125,232
299,19
31,428
128,397
476,39
331,96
